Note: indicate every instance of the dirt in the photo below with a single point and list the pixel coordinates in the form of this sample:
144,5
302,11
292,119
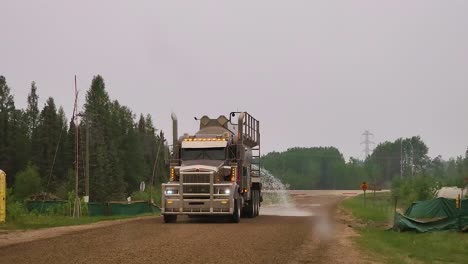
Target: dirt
12,237
323,235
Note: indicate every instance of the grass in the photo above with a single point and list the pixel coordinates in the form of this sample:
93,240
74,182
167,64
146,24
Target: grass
33,221
409,247
376,209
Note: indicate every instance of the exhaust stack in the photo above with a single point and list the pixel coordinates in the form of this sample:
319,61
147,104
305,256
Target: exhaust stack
240,125
174,130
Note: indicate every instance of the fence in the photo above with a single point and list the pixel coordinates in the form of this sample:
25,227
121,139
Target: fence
96,209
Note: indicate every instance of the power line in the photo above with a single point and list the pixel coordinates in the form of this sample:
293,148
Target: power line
367,142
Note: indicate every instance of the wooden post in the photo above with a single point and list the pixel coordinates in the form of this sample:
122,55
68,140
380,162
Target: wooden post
77,205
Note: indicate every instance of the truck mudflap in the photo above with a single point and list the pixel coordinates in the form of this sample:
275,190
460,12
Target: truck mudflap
219,200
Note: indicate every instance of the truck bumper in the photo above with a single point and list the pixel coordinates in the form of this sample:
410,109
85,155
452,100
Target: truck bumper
213,203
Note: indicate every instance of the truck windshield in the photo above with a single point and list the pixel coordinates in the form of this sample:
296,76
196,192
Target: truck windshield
203,154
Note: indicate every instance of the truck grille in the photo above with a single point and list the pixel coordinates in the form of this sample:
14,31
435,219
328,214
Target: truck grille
197,189
196,178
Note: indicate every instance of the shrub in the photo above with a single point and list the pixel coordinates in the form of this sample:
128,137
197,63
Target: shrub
417,188
146,195
140,196
15,210
28,182
71,204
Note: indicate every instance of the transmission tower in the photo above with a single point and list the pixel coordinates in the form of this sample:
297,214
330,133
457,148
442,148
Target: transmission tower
367,142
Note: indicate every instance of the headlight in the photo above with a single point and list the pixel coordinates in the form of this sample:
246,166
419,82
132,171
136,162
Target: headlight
227,191
171,191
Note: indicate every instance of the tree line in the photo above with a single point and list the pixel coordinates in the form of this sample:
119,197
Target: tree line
325,167
37,146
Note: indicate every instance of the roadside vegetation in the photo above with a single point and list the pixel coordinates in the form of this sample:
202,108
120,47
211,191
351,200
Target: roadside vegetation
38,147
389,166
375,217
18,217
35,221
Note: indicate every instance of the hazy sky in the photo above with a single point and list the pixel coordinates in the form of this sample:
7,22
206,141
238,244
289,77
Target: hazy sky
315,73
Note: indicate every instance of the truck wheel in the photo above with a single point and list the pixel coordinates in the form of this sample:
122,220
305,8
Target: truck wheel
251,206
170,218
255,202
245,211
237,212
258,203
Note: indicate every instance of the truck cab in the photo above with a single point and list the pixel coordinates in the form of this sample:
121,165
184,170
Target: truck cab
213,172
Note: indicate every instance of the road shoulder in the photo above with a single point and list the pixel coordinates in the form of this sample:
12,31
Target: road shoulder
13,237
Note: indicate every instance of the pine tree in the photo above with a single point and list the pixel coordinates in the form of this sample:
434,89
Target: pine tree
32,110
103,162
19,139
63,162
44,147
7,109
150,130
141,125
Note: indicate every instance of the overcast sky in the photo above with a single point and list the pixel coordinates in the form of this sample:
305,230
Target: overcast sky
315,73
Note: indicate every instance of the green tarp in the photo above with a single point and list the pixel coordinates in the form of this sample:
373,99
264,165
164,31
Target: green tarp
94,209
433,215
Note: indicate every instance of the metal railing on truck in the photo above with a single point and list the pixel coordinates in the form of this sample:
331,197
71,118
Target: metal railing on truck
250,129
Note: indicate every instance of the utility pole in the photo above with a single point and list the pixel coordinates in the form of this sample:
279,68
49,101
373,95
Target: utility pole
77,204
401,158
412,159
367,142
87,162
86,198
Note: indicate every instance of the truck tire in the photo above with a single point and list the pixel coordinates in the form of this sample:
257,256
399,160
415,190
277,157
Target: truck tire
170,218
255,202
235,218
250,208
258,203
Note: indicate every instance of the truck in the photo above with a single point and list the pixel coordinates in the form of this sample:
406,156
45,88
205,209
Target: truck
216,171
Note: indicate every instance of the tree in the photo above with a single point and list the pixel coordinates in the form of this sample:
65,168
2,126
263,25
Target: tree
28,182
39,143
106,123
64,161
309,168
48,132
417,155
97,113
7,111
32,110
390,158
19,141
384,162
436,168
141,125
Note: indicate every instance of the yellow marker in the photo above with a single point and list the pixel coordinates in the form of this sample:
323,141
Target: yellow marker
2,196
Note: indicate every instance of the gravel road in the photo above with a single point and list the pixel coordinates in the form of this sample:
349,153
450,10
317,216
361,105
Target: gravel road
306,231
